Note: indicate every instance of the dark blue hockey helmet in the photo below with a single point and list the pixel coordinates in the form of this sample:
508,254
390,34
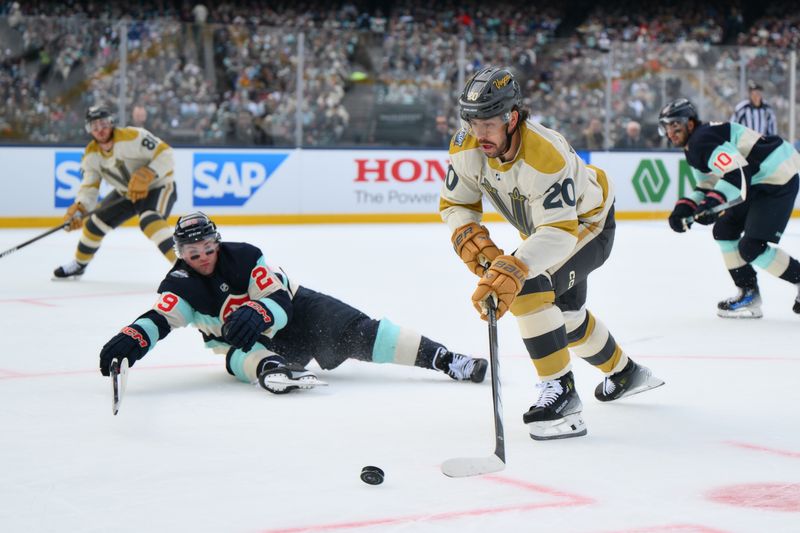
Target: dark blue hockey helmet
194,227
491,92
679,110
98,112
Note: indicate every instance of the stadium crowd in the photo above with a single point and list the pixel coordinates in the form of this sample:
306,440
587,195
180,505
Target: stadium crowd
227,73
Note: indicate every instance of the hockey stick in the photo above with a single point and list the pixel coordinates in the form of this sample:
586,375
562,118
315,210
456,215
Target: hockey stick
119,381
61,226
475,466
687,221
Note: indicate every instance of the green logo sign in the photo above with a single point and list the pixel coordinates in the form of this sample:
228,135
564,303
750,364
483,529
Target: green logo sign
650,181
685,177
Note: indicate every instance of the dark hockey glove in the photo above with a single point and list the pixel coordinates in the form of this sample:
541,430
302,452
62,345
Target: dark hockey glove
242,327
683,209
130,343
703,214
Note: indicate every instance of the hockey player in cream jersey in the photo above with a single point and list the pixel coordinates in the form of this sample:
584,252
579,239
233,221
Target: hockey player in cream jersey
139,166
564,209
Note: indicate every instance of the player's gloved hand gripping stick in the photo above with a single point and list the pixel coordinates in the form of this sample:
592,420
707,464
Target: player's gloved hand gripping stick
687,221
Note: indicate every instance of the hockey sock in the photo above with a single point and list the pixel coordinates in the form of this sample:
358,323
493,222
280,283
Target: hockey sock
158,231
545,337
590,340
396,344
92,235
246,366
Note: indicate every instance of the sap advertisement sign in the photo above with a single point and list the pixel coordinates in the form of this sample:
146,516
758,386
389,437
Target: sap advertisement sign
230,179
67,177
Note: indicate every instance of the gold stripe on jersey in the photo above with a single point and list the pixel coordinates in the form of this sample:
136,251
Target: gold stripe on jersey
602,180
444,204
535,151
540,153
570,226
125,134
160,148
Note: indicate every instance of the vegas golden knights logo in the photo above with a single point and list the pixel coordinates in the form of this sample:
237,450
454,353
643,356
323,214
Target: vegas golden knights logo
515,213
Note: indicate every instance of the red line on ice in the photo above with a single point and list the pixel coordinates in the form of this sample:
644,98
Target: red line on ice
757,448
43,299
567,500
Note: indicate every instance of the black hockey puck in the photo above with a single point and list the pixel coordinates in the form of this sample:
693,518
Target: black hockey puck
372,475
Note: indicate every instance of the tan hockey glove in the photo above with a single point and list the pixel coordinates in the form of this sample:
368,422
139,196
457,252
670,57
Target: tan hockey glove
74,216
141,179
473,245
504,279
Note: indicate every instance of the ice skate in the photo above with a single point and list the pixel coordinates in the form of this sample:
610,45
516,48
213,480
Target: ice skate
72,270
557,412
460,367
283,379
746,304
632,379
796,307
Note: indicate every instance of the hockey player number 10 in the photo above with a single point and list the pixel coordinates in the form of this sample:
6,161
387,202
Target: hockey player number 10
723,161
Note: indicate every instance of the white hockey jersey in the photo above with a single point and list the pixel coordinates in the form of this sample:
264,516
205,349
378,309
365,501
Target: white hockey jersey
556,201
133,148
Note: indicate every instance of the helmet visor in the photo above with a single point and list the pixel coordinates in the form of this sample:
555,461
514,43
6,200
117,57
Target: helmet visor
664,123
98,124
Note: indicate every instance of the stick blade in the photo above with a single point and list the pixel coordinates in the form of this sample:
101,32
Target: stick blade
119,381
472,466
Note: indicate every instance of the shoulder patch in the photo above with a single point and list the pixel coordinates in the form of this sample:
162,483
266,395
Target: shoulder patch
458,139
179,274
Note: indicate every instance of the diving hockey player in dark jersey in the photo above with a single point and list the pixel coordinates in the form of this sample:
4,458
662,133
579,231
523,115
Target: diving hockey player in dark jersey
268,327
731,161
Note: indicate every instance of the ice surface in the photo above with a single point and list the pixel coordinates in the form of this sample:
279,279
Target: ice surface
715,450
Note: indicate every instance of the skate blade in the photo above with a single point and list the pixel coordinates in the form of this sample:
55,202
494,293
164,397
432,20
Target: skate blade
282,381
651,383
563,428
740,313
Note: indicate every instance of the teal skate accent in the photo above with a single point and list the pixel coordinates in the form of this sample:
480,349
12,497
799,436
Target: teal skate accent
728,246
150,329
766,258
385,342
237,365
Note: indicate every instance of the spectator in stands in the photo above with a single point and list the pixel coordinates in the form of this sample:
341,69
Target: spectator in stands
139,116
439,136
633,139
592,137
755,113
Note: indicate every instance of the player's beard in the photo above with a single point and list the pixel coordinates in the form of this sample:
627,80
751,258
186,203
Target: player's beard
499,150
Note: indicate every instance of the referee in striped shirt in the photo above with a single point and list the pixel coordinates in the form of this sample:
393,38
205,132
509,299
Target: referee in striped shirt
755,113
